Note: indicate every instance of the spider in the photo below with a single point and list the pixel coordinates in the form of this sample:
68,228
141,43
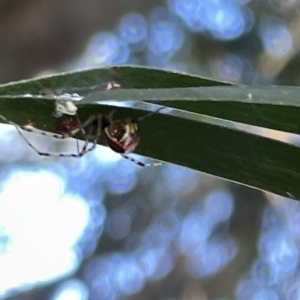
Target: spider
120,135
111,85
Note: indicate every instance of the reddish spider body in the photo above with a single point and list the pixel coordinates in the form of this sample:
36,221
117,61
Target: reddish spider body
67,125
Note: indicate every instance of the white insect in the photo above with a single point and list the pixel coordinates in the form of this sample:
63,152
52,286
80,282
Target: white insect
64,104
64,107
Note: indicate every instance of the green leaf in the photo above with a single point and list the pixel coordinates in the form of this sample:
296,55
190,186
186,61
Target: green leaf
242,157
128,76
191,142
274,107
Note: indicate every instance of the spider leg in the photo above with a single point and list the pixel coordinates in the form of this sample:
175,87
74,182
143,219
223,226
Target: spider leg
80,125
72,133
32,129
141,163
98,133
96,137
64,135
150,114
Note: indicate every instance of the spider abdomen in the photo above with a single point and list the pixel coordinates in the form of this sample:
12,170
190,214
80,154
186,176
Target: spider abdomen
122,135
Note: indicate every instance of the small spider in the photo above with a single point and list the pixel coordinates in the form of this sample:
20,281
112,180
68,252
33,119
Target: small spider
111,85
108,86
120,135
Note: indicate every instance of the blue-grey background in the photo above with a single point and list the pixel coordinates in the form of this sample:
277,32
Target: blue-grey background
100,227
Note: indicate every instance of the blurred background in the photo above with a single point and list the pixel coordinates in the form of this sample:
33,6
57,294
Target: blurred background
100,227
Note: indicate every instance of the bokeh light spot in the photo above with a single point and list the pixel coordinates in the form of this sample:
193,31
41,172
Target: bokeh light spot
71,290
36,222
275,36
133,29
